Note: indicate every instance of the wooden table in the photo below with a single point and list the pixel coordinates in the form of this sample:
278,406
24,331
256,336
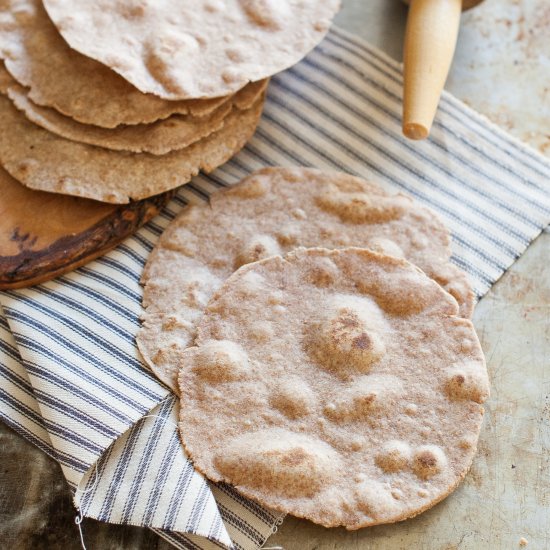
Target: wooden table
505,497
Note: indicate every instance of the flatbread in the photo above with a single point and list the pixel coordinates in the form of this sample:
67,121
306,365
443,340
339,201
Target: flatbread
271,212
339,386
158,138
76,86
205,48
44,161
6,79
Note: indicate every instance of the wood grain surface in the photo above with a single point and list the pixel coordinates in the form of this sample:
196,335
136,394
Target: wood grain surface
44,234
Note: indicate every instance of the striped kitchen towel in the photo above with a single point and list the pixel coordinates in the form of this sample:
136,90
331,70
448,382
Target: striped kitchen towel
73,382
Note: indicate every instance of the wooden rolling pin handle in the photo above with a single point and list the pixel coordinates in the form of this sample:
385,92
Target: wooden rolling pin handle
430,41
466,4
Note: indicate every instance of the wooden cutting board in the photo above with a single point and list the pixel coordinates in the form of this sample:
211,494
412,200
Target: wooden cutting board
43,235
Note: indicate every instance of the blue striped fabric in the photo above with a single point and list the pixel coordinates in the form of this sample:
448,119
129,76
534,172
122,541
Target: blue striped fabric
73,382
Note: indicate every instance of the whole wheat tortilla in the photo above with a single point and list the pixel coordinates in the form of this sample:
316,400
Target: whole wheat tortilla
339,386
271,212
76,86
44,161
182,49
6,79
158,138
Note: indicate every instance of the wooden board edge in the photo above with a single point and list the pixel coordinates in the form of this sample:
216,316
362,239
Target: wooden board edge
68,253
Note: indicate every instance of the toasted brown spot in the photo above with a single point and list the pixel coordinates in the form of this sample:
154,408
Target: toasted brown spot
386,246
467,381
359,208
375,499
172,323
428,461
294,399
367,396
363,341
348,319
345,342
253,189
323,273
258,248
131,12
294,457
280,461
218,361
289,234
265,13
394,456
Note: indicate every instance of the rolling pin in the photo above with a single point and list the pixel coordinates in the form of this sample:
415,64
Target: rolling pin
430,41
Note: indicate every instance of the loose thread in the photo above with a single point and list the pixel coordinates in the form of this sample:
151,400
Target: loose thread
78,520
79,517
277,524
94,484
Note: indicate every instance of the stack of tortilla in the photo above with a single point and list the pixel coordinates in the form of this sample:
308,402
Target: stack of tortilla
123,100
319,339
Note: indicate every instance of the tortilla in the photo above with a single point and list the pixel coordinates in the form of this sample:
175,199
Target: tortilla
158,138
5,79
339,386
272,212
76,86
202,49
44,161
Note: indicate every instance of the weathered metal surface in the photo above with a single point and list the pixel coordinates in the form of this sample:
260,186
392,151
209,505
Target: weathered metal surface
502,66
